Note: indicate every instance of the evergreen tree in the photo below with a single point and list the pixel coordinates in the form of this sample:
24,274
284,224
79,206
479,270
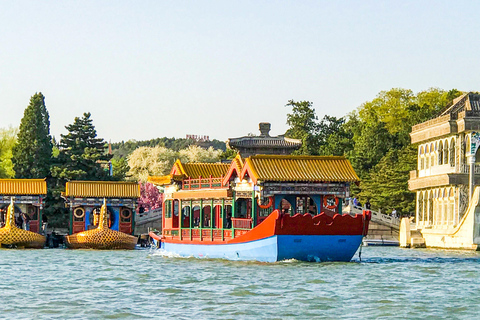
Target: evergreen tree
32,153
82,153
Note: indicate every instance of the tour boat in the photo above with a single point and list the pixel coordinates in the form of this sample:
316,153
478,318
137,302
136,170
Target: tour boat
265,207
13,237
279,237
102,237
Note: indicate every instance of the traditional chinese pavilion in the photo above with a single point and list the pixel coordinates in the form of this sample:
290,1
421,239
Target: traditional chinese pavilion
28,195
264,143
85,199
214,200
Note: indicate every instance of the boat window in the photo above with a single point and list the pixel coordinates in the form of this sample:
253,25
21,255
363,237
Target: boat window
125,215
168,208
207,216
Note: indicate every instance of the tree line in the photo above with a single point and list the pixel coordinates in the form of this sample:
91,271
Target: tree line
375,138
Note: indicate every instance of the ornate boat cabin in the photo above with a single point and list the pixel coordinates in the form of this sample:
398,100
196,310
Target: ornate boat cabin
85,199
216,202
28,195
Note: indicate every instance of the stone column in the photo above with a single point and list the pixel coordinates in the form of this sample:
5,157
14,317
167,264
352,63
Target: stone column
471,175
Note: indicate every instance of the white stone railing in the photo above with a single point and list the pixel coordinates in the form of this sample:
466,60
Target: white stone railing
377,217
148,216
465,168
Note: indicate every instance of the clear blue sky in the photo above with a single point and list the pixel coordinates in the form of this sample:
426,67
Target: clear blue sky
148,69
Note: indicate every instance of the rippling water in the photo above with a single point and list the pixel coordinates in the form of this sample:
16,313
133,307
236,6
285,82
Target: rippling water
388,283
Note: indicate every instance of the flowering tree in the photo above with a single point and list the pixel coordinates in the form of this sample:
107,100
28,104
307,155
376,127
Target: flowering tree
150,197
158,161
148,161
198,154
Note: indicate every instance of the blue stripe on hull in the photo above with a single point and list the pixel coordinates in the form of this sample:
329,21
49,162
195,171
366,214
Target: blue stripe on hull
276,248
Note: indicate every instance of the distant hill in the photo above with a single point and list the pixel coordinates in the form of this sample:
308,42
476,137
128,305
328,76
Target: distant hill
124,148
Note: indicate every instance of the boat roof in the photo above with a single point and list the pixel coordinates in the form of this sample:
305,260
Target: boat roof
23,187
196,170
299,168
102,189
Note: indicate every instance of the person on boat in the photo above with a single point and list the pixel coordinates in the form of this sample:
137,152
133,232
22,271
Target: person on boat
2,218
229,221
19,221
26,222
44,224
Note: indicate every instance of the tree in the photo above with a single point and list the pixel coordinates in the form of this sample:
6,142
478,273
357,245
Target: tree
147,161
335,136
198,154
150,197
120,168
387,184
32,154
82,153
8,139
303,125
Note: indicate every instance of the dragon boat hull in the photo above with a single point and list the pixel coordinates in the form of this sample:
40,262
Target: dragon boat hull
279,237
275,248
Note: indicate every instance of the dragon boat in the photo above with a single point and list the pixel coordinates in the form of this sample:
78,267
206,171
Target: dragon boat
265,207
102,237
13,237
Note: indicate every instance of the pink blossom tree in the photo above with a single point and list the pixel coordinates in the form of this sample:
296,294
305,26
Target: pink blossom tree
150,197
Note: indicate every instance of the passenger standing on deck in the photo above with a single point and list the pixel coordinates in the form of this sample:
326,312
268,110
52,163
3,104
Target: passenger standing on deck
19,221
394,213
26,221
44,224
368,205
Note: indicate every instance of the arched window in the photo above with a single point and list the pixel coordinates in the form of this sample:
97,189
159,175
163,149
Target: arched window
430,208
420,206
421,158
445,152
440,153
452,152
432,155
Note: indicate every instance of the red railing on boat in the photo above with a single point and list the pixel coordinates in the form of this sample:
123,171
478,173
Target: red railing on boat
242,223
202,183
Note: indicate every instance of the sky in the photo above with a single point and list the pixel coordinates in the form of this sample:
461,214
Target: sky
148,69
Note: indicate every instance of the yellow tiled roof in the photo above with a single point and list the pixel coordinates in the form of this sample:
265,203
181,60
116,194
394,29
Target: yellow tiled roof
301,168
23,186
204,170
102,189
160,180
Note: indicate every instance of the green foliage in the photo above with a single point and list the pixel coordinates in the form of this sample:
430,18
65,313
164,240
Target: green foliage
375,138
8,139
303,125
82,153
31,155
387,183
228,154
120,168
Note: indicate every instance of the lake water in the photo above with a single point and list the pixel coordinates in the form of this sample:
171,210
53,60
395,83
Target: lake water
144,284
